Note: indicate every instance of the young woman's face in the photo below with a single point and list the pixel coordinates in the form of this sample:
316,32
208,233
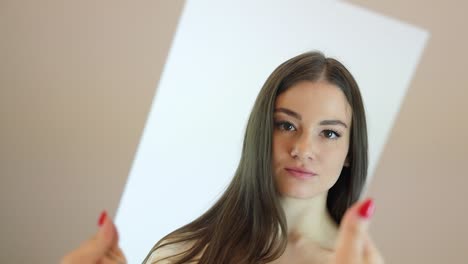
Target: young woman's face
310,138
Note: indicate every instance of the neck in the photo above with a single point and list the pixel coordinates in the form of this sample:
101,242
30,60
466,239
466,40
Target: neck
308,220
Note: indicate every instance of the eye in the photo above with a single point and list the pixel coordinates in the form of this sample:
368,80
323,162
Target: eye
331,134
285,126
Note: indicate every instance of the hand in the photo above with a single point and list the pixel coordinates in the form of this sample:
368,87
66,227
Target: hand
354,245
102,248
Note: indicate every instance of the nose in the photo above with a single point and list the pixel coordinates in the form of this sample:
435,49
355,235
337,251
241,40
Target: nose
303,148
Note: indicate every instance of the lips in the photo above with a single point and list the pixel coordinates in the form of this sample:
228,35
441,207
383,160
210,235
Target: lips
300,173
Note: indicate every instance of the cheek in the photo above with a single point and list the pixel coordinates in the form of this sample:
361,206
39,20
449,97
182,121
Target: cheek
332,166
277,146
279,151
334,158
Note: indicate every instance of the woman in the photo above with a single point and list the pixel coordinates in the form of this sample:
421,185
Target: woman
303,164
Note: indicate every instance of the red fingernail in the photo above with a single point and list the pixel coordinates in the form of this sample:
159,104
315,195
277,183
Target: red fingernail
102,218
367,209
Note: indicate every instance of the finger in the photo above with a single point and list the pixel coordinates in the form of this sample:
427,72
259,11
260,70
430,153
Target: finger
104,240
116,257
371,253
115,247
95,248
115,252
118,253
351,236
110,260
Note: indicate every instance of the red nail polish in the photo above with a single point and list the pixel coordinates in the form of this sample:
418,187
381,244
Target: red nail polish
367,209
102,218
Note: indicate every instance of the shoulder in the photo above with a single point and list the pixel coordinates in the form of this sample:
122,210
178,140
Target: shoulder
167,254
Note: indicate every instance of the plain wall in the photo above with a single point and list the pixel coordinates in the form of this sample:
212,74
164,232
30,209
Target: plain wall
77,80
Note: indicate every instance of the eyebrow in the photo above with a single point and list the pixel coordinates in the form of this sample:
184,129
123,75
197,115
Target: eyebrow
298,116
289,112
333,122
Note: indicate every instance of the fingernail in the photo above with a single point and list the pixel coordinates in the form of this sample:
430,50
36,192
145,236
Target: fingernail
367,209
102,218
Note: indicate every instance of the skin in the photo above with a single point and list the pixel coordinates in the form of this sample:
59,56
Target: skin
302,139
312,132
312,235
102,248
353,246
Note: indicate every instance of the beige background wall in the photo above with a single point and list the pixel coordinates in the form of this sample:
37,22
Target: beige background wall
77,79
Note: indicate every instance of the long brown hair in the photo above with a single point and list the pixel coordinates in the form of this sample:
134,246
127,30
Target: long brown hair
246,224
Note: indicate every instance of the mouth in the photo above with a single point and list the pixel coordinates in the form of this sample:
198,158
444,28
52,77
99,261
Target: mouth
300,173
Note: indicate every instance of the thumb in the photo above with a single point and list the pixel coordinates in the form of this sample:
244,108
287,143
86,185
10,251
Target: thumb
106,238
352,232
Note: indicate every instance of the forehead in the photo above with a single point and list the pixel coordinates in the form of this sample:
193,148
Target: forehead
316,100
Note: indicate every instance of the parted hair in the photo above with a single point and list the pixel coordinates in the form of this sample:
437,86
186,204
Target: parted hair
245,225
